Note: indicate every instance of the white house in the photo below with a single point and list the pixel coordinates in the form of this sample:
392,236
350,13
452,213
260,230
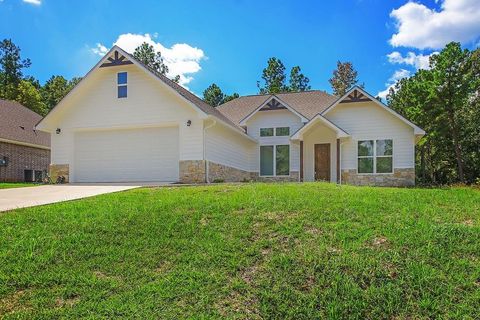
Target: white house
125,123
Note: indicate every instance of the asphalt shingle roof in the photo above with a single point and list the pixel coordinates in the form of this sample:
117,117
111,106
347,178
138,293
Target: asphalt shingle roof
17,123
307,103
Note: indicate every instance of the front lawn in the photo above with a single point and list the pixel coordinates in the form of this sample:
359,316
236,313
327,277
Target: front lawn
250,251
8,185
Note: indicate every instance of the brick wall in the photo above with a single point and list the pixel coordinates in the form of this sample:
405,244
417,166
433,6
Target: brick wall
21,158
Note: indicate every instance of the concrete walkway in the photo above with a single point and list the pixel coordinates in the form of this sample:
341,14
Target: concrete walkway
33,196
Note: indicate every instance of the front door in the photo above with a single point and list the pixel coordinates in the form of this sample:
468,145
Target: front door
322,162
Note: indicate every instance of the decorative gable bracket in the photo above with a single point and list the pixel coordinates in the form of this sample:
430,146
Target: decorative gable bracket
273,104
116,60
355,96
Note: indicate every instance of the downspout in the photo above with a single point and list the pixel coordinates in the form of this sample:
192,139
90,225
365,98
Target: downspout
340,162
205,148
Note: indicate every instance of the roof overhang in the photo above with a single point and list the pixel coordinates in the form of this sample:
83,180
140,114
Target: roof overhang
266,102
319,119
230,127
416,129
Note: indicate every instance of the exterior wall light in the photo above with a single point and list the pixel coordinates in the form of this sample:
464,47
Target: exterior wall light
189,123
58,130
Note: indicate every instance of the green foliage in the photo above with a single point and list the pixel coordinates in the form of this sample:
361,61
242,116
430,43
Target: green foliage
56,88
274,78
146,54
214,96
298,81
344,77
245,251
11,69
444,101
30,97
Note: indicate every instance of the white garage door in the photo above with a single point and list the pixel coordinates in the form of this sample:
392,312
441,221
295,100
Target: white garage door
126,155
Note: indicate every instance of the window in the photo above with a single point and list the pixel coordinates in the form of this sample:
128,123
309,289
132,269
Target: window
279,132
122,84
266,132
282,131
375,156
275,159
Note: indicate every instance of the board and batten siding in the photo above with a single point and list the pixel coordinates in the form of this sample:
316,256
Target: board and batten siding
368,121
275,119
228,148
94,105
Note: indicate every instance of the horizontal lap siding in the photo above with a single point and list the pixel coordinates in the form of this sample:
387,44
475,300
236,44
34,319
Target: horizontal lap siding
228,148
367,120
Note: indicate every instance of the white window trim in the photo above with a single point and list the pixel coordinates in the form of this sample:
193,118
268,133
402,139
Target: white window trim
122,85
274,160
375,157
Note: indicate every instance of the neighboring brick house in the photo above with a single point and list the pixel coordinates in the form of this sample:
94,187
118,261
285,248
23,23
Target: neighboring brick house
24,151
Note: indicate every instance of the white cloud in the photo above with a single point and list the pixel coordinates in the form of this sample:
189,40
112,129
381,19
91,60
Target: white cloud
181,58
419,61
99,49
397,75
34,2
421,27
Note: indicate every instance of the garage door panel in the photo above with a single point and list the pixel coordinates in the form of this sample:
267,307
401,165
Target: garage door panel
127,155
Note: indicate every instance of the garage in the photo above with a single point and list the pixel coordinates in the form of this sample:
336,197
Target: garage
129,155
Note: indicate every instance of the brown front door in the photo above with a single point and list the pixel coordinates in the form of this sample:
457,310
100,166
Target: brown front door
322,161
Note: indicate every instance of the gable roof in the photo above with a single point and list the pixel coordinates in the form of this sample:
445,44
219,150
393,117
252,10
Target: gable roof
273,103
17,124
198,103
319,118
356,93
306,103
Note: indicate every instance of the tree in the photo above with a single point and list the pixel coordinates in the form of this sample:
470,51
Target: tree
11,69
30,97
146,54
298,81
214,96
444,100
344,77
274,77
54,90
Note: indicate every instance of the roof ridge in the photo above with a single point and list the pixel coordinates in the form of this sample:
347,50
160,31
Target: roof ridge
285,92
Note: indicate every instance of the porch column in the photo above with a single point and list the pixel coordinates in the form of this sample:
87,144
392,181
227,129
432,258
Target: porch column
338,160
301,161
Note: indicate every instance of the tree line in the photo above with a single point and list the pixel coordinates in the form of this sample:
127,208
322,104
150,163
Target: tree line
445,101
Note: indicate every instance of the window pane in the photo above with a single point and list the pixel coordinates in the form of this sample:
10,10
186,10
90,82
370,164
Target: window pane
266,132
266,160
384,147
283,131
283,160
122,78
384,165
365,165
365,148
122,91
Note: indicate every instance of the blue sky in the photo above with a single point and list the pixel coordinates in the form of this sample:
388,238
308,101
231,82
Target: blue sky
229,42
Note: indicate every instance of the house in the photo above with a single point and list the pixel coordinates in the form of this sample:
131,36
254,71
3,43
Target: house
124,122
24,151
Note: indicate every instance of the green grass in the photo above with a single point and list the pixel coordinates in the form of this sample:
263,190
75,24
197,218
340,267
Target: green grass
250,251
8,185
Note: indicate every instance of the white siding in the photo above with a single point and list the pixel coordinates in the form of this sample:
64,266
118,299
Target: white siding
150,103
228,148
274,119
367,120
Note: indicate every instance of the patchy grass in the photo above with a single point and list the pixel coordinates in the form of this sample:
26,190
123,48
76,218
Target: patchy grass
8,185
250,251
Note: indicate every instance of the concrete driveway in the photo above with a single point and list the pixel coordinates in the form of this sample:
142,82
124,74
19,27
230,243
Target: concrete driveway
33,196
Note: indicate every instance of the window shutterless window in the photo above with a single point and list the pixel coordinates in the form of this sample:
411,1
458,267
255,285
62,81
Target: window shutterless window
266,132
122,84
375,156
282,131
275,160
